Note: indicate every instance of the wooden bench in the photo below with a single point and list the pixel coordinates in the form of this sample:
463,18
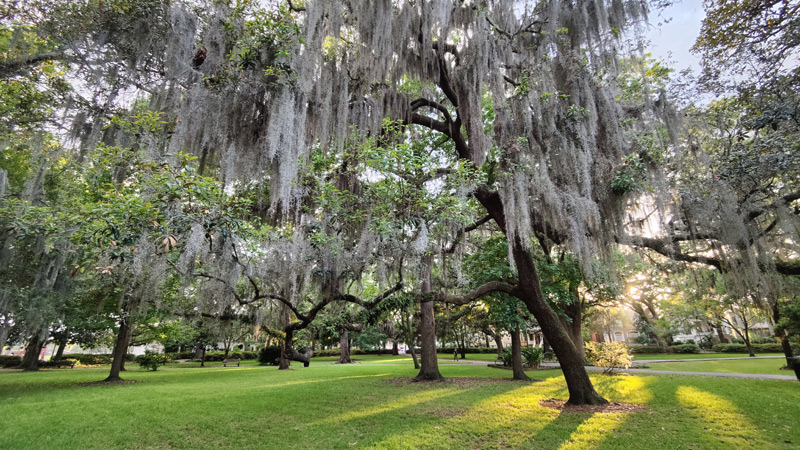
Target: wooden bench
64,363
225,362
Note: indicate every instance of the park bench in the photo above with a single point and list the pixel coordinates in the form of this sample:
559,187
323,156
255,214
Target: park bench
64,363
225,362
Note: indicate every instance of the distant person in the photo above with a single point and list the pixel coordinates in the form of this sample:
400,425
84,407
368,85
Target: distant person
455,354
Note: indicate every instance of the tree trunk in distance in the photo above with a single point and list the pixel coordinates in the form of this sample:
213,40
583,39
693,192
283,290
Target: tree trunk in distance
4,330
516,357
395,350
120,349
344,347
785,345
498,341
60,352
286,351
413,355
198,351
127,344
430,365
30,362
203,357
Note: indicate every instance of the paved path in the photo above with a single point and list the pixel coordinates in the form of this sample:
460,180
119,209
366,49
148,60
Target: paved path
645,361
751,376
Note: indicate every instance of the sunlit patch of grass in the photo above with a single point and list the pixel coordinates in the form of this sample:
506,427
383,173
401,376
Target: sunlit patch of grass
593,431
624,388
351,406
719,417
757,366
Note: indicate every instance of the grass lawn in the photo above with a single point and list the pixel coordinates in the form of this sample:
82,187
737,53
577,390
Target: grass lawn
768,366
330,406
649,356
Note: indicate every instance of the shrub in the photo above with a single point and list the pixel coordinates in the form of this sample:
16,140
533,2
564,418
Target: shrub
609,355
151,360
10,361
685,348
269,356
533,356
637,349
56,363
506,357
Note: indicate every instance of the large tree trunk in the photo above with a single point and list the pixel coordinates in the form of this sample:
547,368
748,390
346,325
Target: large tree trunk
581,390
516,357
344,347
30,362
395,350
430,365
120,349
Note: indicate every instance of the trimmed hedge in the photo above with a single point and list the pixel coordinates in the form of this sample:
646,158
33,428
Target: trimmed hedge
219,356
449,350
269,356
353,351
88,359
684,348
757,348
635,349
10,361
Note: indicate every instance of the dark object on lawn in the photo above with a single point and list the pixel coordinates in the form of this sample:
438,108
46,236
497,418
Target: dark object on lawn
225,362
794,363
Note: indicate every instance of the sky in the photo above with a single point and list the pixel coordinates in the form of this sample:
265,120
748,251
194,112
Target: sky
673,32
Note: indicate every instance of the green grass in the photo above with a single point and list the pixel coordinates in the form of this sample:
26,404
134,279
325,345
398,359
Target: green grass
650,356
766,366
329,406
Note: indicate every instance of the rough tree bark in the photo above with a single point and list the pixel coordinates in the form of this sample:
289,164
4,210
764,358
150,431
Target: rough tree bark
30,362
785,345
498,341
516,357
60,351
581,390
574,326
344,347
120,349
430,365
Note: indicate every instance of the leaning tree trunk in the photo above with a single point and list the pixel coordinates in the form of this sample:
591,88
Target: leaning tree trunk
573,326
4,331
413,354
120,349
344,348
125,352
60,352
516,357
581,390
498,341
785,345
430,365
30,362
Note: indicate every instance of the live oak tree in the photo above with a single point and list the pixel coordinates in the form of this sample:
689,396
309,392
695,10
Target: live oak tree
522,97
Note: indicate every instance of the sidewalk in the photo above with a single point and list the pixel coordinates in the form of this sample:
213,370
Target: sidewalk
751,376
